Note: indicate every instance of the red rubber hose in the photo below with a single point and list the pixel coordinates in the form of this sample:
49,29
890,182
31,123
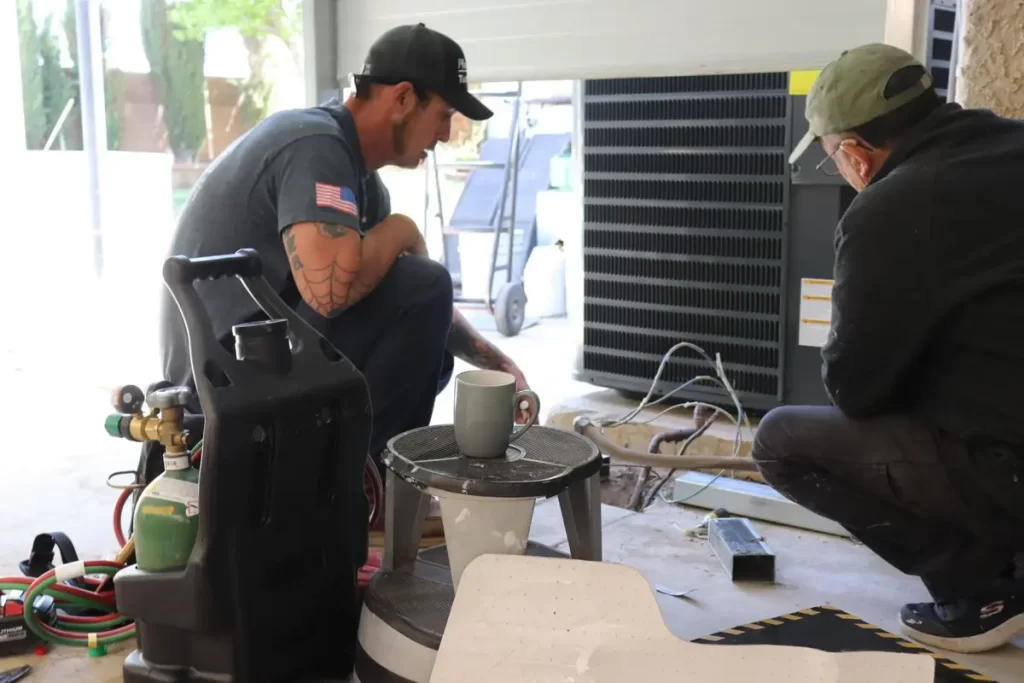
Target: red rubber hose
122,500
62,589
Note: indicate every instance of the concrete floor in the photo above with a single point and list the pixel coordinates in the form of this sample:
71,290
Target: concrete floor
813,569
58,458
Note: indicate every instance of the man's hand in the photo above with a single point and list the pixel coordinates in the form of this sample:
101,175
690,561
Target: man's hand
419,247
523,415
414,240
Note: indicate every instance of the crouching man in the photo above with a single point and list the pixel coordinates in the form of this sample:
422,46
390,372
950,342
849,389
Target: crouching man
921,457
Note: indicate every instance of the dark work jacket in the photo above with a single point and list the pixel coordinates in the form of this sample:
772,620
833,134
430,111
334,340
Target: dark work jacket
928,304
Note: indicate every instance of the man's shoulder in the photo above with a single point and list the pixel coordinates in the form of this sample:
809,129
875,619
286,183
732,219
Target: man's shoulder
285,127
894,199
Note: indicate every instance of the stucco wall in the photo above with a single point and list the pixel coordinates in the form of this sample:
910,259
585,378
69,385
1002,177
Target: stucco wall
991,68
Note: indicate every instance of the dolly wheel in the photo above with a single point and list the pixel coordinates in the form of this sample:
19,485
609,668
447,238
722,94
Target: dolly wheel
510,308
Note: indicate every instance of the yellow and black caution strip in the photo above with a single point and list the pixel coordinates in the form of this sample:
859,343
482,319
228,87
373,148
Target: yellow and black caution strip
894,642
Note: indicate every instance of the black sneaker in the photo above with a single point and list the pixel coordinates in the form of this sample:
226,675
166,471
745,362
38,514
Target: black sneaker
966,626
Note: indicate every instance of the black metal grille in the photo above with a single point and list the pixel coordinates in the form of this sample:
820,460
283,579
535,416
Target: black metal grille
685,192
941,42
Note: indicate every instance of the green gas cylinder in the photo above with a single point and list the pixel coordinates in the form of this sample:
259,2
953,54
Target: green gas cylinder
166,519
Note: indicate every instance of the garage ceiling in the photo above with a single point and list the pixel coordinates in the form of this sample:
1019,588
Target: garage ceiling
569,39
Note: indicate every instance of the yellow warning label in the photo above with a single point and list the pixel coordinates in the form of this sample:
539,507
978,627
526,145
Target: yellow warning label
815,311
800,82
158,510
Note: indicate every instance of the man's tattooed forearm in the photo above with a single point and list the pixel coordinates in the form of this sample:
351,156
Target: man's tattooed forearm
332,230
465,344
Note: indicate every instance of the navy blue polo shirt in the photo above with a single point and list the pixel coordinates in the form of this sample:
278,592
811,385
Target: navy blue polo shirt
296,166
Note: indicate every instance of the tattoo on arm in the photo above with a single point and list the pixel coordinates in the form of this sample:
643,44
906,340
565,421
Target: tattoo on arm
332,230
330,284
466,343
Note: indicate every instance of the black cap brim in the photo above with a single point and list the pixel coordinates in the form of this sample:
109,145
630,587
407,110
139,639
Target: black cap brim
468,105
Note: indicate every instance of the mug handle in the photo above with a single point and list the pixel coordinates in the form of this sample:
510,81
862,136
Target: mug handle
522,429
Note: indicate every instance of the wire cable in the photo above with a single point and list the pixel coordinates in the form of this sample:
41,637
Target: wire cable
740,420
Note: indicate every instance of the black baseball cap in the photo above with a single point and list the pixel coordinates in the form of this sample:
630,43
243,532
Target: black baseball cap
430,61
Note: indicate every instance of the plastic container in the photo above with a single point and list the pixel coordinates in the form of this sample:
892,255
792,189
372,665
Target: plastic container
560,172
544,281
475,526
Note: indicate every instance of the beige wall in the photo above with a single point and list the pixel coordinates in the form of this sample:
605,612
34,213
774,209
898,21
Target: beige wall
991,66
906,25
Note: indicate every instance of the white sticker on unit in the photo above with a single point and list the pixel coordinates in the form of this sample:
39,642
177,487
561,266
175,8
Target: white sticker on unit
176,490
815,311
192,508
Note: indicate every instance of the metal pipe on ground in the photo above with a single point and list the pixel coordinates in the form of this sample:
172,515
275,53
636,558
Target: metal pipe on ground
702,421
583,425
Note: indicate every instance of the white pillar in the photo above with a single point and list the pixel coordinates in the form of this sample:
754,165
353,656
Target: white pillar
12,118
93,108
989,73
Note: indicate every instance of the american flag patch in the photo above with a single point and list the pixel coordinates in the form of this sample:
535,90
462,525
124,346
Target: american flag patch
341,198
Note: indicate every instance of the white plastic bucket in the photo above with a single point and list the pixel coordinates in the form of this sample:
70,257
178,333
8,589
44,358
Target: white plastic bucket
475,526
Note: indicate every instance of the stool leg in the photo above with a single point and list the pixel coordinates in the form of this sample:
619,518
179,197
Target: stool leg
581,512
405,510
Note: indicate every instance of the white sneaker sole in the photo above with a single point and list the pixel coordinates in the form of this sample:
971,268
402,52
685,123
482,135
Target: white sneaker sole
983,642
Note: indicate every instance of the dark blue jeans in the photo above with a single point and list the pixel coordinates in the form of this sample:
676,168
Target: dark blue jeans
398,336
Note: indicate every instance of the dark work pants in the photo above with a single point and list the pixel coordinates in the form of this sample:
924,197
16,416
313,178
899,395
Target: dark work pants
397,336
929,504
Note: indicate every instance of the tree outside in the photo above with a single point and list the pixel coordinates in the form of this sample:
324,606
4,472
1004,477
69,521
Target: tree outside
174,35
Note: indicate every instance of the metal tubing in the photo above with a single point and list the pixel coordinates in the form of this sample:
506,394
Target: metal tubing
688,462
509,168
440,209
517,145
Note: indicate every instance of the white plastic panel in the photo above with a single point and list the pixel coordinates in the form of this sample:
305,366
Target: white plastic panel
566,39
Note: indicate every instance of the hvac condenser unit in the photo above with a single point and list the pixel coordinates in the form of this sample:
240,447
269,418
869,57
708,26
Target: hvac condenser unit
696,228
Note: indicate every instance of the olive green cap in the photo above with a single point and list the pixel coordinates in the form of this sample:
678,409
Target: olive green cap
850,91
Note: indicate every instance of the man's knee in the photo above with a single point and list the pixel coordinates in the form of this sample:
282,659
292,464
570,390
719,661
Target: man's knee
422,290
789,445
782,432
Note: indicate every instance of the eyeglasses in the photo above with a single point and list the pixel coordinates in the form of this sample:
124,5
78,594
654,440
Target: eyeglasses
828,165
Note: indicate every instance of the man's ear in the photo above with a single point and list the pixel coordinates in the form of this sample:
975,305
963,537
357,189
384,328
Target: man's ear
859,157
405,98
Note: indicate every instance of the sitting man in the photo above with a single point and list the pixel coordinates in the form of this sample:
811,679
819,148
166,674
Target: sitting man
302,189
922,456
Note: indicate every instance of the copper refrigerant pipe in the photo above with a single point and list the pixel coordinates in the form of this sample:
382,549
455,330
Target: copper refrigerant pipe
583,425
